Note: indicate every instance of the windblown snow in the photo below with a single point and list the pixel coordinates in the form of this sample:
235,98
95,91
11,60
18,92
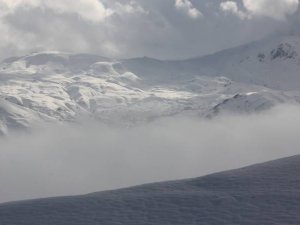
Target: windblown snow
54,86
261,194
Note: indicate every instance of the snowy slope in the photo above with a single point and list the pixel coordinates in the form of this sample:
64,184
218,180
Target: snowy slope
273,62
54,86
266,193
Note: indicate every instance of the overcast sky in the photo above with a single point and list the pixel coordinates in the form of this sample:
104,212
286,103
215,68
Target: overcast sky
128,28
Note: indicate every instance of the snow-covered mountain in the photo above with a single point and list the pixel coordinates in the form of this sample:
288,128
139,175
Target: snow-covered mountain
261,194
272,62
53,86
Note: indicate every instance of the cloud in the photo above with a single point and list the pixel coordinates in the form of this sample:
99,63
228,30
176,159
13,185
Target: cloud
92,10
232,7
78,159
131,8
275,9
64,25
132,28
187,7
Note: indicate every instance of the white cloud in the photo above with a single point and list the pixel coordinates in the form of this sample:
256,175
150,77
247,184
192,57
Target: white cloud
131,8
64,25
187,7
92,10
232,7
277,9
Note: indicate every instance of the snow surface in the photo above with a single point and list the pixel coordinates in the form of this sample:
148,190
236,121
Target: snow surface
273,62
267,193
54,86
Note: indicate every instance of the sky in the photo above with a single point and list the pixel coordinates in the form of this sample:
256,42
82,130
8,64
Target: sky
164,29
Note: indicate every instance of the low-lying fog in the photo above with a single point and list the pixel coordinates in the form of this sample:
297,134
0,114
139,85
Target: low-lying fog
78,159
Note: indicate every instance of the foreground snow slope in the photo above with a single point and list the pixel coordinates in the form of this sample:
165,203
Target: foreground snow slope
266,193
54,86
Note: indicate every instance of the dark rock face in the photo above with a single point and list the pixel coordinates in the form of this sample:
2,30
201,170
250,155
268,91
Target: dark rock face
284,51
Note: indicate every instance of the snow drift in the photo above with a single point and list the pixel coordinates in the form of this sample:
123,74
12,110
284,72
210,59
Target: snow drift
261,194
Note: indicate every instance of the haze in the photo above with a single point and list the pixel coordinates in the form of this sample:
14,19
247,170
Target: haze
78,159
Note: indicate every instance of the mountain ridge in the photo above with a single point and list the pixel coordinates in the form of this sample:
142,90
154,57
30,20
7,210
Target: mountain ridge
55,86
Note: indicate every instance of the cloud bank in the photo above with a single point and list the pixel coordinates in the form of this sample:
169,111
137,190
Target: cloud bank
86,158
275,9
163,29
92,10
